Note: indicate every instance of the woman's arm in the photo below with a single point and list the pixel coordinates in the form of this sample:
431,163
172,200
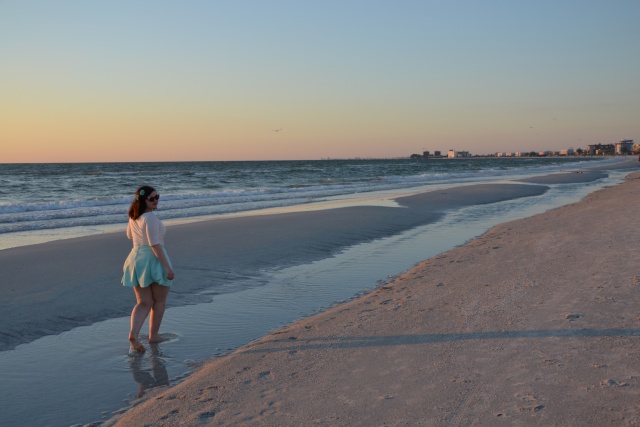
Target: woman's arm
159,253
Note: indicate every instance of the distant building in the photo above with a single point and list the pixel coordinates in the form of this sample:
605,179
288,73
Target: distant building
601,149
567,152
428,154
454,154
624,146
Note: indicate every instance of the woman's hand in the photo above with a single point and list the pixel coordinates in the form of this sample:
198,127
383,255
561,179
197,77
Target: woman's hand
158,251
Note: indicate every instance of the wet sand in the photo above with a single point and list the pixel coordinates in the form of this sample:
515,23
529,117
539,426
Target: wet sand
534,323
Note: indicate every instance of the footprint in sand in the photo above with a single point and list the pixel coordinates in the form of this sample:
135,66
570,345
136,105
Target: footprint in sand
531,404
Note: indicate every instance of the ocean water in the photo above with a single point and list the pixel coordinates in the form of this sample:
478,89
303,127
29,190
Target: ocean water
40,202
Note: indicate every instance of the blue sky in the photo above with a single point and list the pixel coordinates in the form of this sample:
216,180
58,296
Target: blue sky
212,80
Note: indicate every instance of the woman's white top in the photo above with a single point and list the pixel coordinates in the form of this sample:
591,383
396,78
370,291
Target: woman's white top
146,230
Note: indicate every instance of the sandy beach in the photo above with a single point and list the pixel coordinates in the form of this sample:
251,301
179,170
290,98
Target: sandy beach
533,323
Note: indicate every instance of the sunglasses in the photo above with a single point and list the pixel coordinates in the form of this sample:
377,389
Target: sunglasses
152,198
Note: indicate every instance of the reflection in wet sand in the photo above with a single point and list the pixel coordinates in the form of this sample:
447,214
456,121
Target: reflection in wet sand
149,370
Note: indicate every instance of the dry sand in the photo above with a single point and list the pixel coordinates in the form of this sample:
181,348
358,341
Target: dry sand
534,323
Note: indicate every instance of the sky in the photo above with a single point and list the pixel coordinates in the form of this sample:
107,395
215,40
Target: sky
120,81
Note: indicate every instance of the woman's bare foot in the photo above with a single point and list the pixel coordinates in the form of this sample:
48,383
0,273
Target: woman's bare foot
156,340
136,345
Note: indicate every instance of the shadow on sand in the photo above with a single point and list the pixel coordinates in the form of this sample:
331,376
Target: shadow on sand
394,340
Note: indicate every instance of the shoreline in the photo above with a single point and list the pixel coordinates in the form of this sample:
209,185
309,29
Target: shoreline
533,322
49,278
25,237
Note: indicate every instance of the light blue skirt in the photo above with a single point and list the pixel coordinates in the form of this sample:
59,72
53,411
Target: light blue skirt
143,268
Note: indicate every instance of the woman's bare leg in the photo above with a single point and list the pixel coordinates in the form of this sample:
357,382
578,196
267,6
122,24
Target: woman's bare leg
144,298
157,310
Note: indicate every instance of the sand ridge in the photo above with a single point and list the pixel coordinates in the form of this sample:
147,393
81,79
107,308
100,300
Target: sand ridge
534,323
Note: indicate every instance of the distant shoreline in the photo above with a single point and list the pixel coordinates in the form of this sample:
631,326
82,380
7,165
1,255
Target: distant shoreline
478,156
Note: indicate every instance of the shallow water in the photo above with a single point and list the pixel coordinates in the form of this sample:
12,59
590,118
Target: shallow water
85,375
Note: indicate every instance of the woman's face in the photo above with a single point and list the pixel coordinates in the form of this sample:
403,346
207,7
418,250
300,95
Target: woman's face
151,201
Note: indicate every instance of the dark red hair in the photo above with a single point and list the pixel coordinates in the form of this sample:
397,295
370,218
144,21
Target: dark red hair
138,204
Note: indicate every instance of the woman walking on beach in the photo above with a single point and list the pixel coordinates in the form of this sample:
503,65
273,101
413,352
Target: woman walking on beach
147,268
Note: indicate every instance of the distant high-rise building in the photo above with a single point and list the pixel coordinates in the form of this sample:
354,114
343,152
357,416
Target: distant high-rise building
624,146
